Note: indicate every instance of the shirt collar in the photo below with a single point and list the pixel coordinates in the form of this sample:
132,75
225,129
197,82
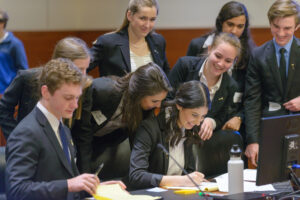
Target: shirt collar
4,37
54,122
287,46
209,40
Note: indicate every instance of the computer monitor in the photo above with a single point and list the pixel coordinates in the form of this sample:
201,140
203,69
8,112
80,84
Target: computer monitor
279,145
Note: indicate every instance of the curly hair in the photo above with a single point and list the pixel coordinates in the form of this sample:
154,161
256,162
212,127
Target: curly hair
59,71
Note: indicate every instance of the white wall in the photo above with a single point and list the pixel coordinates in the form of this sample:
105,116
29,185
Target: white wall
35,15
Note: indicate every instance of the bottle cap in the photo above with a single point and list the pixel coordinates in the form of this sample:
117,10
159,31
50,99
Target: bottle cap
235,151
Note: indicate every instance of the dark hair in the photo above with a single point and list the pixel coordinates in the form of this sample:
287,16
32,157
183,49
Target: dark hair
192,94
147,80
228,11
3,17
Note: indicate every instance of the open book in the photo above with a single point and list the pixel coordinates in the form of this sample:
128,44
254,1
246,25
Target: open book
115,192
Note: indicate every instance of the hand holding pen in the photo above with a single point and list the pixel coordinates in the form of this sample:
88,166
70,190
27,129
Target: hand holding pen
99,169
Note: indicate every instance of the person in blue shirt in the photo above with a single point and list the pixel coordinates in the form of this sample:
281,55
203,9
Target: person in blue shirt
12,54
272,85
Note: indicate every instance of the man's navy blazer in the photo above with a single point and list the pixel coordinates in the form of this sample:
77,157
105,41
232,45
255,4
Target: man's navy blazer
263,86
111,53
36,164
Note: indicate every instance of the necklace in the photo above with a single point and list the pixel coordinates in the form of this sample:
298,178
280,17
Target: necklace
138,46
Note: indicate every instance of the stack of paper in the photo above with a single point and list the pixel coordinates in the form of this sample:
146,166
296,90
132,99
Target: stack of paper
115,192
249,182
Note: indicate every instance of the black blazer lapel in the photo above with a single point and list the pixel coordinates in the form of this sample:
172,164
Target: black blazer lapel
161,119
123,42
53,140
272,64
221,95
293,63
193,73
153,50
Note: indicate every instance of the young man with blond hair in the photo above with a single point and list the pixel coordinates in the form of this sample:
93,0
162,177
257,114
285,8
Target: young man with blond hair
272,80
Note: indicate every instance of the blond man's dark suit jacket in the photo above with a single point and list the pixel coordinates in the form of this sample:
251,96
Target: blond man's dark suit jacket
187,68
263,85
111,53
36,164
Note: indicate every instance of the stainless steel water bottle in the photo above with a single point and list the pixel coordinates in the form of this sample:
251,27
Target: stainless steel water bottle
235,171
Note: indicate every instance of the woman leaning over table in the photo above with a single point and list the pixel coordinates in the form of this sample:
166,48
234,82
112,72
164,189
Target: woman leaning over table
119,105
133,45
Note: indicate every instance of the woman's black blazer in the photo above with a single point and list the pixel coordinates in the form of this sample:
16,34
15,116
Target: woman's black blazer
148,163
111,53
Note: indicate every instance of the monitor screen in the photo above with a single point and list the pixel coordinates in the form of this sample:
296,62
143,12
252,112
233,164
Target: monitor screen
279,144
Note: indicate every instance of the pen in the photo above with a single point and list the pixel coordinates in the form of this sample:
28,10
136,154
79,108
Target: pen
99,169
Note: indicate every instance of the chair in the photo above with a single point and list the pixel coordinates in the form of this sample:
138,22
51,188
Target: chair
114,151
2,173
213,155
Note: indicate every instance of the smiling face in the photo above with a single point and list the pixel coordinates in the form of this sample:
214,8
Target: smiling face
221,58
142,22
82,64
151,102
283,29
189,117
63,101
235,25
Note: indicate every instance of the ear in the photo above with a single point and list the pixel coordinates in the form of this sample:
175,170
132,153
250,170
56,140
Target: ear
45,92
178,107
129,15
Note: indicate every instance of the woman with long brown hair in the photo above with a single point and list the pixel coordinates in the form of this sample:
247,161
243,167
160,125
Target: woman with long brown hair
119,105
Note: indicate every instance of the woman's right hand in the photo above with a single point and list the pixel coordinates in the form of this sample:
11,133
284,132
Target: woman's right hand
206,129
198,177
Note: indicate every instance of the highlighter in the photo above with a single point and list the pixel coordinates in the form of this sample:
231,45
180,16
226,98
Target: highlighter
185,191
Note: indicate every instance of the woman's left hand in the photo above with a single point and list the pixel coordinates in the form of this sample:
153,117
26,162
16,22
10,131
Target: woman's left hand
233,124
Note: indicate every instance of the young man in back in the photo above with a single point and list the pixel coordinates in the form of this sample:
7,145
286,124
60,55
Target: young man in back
272,80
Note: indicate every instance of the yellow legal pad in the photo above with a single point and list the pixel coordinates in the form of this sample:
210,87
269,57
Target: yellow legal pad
115,192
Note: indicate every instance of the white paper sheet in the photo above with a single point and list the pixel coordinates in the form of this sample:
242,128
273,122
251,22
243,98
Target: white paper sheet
249,182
